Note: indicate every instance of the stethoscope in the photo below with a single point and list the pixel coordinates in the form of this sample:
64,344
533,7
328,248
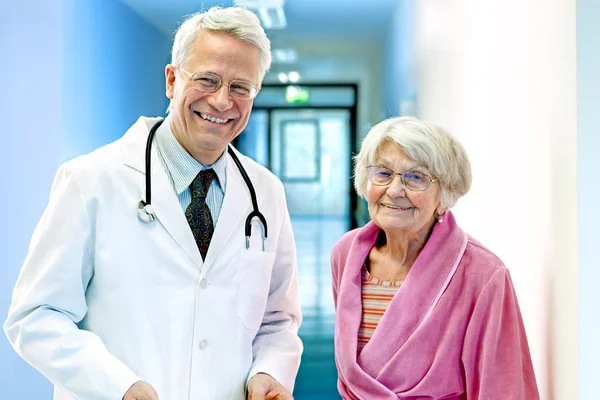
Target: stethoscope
146,211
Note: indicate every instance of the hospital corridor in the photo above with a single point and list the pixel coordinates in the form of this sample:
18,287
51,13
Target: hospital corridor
315,236
515,82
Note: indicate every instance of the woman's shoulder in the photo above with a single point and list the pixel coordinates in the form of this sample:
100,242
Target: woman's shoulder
351,245
345,242
356,238
479,260
479,268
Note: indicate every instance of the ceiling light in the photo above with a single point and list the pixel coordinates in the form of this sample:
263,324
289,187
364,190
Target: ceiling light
284,56
293,76
270,12
282,76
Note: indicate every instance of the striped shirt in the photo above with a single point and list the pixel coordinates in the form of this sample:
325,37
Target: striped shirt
182,168
376,296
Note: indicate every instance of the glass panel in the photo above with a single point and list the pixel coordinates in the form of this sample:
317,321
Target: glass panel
300,148
329,193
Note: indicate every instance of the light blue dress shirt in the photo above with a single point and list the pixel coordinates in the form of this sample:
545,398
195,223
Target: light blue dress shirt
182,168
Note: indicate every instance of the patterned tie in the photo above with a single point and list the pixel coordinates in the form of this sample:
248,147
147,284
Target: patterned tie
198,214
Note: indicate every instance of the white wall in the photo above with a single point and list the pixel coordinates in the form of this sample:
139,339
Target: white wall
501,75
588,143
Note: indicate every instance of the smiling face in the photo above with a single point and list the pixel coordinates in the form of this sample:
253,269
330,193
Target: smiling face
204,123
393,207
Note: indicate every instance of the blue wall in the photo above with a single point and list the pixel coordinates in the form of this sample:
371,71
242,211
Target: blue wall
30,51
113,72
588,143
75,74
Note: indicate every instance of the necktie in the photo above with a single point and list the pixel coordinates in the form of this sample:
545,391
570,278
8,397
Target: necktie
198,214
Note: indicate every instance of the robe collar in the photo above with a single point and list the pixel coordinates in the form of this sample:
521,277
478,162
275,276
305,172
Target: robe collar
425,283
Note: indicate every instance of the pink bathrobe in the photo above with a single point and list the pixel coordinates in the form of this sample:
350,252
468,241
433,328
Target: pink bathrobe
452,331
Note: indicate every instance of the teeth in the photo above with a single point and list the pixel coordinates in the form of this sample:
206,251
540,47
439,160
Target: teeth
396,207
213,119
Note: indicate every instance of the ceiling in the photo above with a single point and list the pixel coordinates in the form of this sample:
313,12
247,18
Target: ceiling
330,36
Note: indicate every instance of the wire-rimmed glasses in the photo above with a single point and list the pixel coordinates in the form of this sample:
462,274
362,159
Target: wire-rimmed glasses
209,82
412,180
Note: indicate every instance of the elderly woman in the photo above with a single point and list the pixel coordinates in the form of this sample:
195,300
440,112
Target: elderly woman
424,311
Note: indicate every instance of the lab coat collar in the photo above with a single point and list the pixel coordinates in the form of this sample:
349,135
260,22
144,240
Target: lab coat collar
236,203
134,145
164,199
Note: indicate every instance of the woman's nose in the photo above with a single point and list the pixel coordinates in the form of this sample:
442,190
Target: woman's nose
396,188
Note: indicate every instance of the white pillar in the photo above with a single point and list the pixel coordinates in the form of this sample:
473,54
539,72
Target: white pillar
588,145
501,75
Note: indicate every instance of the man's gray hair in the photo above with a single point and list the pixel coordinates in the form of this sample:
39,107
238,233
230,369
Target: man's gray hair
428,144
235,21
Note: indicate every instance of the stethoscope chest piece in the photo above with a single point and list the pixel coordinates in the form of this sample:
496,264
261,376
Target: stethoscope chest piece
145,211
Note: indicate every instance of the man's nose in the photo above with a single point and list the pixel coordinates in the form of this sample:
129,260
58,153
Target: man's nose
220,100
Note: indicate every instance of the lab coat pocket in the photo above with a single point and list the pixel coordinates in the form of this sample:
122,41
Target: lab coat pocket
253,281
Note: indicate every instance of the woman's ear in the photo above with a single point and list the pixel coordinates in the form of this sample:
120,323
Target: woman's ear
439,210
439,214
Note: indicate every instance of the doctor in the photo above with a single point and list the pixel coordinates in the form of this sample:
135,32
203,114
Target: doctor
111,305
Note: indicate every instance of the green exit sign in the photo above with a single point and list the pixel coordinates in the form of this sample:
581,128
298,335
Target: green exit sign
297,95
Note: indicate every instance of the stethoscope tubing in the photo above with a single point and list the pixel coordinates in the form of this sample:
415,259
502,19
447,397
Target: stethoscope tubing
146,211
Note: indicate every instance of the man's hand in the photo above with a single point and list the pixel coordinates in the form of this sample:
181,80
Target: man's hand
264,387
141,391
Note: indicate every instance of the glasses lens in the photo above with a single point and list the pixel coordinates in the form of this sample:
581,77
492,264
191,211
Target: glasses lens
380,175
206,81
242,90
415,180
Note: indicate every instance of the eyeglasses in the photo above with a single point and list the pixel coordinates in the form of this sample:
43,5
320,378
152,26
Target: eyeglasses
412,180
209,82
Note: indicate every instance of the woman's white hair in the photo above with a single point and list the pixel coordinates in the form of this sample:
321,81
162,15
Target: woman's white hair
426,143
235,21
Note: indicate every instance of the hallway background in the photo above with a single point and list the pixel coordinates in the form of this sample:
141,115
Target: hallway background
515,81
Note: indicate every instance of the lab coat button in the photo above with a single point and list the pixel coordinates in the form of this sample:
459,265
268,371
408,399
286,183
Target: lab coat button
203,283
203,344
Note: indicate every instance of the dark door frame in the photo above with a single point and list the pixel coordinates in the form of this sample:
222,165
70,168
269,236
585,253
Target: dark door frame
353,131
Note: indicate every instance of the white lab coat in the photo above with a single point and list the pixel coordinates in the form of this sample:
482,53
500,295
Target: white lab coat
104,299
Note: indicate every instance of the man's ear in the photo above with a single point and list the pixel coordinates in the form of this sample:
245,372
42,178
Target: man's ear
170,80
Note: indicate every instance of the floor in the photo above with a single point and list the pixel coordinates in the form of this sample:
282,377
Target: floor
315,237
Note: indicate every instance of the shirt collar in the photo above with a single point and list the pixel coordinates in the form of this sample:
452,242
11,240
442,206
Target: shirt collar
181,166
